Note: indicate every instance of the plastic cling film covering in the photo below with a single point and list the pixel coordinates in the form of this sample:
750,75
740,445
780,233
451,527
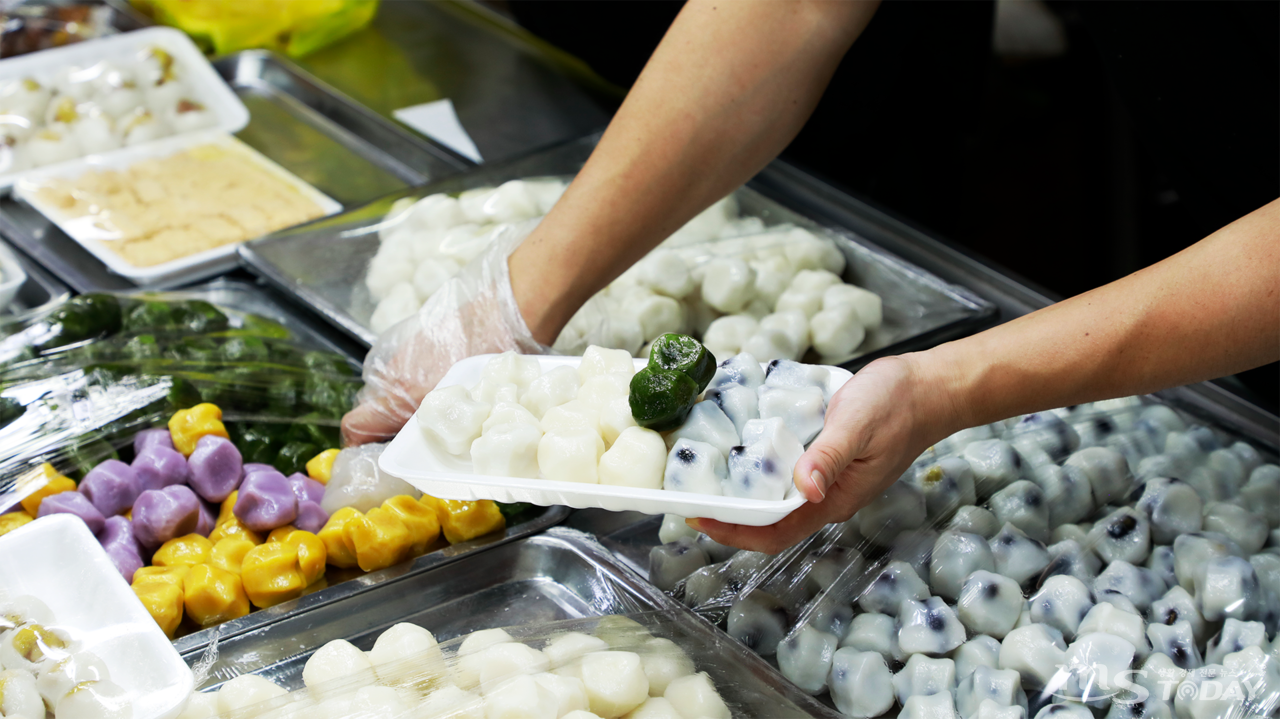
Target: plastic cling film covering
81,378
97,98
294,28
917,307
422,243
636,665
739,282
557,575
1116,558
788,257
712,590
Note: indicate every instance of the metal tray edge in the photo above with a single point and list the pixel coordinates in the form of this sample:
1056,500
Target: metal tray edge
591,548
198,641
313,303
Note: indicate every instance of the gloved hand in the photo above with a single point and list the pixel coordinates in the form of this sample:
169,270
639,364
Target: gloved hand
473,313
876,425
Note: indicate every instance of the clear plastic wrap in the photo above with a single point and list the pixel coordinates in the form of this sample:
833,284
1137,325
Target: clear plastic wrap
1115,557
293,28
328,264
757,288
638,665
81,378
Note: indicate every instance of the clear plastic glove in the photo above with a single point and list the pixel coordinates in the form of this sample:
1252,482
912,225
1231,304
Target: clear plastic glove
473,313
876,425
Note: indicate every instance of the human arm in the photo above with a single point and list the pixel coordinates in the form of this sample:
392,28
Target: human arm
727,89
1211,310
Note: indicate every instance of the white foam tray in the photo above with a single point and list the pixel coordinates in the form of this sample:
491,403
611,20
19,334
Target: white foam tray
207,87
184,269
57,560
412,458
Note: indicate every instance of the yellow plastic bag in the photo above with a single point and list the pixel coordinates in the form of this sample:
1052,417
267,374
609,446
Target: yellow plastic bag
293,27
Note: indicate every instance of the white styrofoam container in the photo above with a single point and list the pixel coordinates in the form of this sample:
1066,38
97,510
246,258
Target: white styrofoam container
206,86
57,560
412,458
184,269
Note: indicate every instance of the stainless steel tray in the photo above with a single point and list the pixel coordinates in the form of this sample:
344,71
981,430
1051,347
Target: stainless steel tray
560,575
629,535
512,91
272,635
323,263
344,150
40,289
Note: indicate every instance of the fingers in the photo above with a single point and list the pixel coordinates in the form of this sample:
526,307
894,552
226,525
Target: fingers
836,446
773,538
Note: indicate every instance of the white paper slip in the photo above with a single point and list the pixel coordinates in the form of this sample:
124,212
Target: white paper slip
439,121
423,464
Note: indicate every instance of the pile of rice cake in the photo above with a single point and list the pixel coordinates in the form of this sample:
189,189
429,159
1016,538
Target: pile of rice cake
1026,563
96,108
619,669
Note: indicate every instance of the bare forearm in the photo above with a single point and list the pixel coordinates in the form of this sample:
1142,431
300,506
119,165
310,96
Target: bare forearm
728,88
1211,310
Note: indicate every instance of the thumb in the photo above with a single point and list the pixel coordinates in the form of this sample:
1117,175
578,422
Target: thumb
373,421
363,425
824,461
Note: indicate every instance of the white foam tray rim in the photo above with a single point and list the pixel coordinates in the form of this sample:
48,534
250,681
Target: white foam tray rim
411,458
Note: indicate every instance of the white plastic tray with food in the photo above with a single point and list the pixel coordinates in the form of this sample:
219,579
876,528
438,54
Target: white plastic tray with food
675,434
104,96
175,209
74,638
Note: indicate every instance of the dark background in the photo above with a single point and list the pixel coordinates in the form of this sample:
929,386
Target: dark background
1071,154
